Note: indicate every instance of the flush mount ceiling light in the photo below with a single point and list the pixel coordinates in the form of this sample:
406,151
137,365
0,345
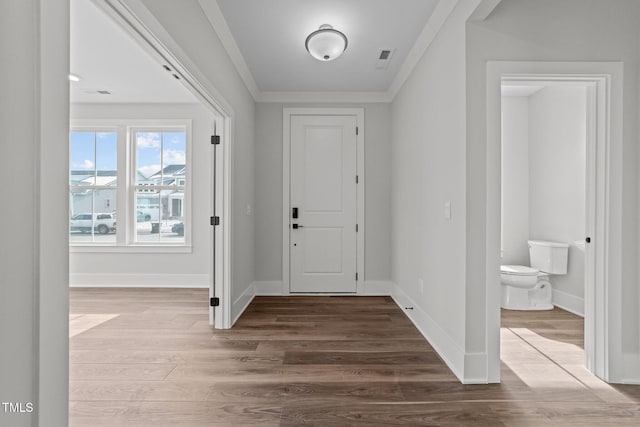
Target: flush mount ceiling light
74,77
326,44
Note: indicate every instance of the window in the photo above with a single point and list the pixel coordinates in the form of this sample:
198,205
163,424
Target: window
149,198
93,186
159,184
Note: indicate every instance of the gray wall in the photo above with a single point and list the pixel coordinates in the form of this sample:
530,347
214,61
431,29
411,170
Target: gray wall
268,188
570,30
557,162
210,64
515,180
428,170
34,117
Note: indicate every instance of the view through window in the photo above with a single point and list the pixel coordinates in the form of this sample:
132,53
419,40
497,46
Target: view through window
153,204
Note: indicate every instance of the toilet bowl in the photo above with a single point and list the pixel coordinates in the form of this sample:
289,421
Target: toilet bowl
525,288
529,288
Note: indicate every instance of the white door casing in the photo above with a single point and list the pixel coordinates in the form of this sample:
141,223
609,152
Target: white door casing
323,190
602,275
323,176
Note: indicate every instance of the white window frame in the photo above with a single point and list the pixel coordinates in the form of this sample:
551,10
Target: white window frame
126,206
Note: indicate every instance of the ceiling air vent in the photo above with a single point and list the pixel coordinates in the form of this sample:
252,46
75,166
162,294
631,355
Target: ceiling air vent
384,56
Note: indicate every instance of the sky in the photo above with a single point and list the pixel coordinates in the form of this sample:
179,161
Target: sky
98,150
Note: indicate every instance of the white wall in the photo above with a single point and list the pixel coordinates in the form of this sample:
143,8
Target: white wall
198,46
557,162
149,269
34,117
571,30
428,170
515,180
268,187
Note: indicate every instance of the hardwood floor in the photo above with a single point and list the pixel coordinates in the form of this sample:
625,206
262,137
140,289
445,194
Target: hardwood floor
147,357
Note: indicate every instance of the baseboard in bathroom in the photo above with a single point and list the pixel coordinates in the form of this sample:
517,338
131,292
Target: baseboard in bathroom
568,302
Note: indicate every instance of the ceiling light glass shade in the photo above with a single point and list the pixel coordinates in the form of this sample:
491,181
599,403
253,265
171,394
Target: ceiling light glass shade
326,44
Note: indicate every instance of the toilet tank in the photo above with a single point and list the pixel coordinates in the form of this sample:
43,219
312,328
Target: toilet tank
549,257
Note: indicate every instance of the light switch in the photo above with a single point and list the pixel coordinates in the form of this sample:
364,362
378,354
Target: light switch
447,210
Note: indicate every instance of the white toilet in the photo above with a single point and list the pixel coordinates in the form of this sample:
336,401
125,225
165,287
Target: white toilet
529,288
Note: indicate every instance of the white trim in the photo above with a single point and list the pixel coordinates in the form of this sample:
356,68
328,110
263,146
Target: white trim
483,10
155,39
118,280
434,24
287,113
603,270
129,249
219,24
242,302
266,288
451,353
568,302
324,97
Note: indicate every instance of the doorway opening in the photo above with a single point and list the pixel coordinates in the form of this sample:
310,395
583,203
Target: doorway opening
184,183
603,85
545,132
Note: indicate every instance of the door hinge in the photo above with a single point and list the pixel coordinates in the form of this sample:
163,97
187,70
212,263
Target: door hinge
356,277
214,302
215,220
356,228
357,179
357,130
215,139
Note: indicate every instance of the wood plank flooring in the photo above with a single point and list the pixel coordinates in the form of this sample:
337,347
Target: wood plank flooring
147,357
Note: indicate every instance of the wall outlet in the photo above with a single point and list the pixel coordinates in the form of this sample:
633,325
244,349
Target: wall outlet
421,285
248,209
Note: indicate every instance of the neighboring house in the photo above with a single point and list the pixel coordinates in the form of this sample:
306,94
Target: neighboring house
82,200
171,202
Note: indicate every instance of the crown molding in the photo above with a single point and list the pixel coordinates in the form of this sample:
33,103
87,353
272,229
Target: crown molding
324,97
483,10
216,19
434,24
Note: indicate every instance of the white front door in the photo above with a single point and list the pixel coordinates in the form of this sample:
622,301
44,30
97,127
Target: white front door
322,238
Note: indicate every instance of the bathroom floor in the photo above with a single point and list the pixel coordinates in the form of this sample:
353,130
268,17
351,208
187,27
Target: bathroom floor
545,349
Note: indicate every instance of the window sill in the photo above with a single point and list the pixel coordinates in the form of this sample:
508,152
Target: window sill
131,249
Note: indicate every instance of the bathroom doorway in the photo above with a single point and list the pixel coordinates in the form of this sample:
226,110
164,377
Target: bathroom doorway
544,133
603,81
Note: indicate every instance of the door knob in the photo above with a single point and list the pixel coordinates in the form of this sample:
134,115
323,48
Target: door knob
296,226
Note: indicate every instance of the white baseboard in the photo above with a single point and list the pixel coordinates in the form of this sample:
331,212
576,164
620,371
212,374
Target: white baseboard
452,354
369,288
241,303
568,302
81,280
375,288
268,288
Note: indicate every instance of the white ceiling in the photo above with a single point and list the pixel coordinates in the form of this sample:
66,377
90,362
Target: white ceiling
265,39
270,35
107,58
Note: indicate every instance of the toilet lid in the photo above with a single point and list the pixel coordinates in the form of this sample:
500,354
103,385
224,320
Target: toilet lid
518,270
